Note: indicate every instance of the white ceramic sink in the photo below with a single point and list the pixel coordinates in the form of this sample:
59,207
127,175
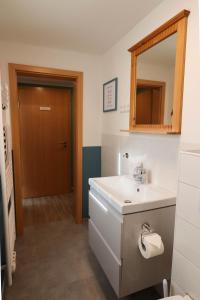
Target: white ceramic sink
126,197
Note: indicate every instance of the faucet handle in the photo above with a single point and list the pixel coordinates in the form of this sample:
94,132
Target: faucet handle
140,174
138,168
139,164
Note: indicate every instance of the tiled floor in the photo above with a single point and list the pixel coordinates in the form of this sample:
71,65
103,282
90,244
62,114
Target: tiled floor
38,211
54,262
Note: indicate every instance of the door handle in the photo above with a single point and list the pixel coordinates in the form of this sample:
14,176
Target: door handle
64,144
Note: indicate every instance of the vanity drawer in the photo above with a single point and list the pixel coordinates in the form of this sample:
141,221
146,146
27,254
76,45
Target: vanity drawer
106,258
108,222
190,169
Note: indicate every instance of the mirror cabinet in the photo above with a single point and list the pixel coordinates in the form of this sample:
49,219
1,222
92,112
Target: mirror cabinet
157,76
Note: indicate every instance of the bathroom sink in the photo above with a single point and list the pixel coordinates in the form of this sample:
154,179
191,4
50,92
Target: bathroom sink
123,194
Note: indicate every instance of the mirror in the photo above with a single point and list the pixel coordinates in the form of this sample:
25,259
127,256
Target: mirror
155,83
157,78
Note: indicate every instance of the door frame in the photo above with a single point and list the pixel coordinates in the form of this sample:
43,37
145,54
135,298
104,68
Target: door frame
77,77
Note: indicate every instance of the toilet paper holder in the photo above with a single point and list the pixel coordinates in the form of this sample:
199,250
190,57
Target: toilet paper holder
146,229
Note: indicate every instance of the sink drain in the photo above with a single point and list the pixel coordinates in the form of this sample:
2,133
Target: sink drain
127,201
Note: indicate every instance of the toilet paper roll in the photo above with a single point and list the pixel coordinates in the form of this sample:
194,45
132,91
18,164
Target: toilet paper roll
150,245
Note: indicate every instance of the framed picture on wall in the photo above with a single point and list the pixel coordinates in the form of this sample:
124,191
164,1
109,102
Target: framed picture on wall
110,95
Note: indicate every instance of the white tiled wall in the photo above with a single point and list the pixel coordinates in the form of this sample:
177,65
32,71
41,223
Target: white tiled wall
186,258
159,155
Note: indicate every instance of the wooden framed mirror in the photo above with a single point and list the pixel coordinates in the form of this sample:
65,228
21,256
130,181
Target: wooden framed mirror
157,77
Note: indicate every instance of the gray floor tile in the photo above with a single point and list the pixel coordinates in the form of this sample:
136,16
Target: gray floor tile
54,262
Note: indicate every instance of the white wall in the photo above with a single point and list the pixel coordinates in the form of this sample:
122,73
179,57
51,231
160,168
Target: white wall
186,258
159,153
46,57
117,62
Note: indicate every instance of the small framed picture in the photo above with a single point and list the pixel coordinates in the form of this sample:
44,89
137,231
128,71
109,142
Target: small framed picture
110,95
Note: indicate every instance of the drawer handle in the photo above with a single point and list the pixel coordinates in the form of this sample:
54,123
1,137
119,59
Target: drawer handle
99,203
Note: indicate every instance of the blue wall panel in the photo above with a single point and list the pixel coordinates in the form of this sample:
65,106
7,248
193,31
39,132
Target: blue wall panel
91,168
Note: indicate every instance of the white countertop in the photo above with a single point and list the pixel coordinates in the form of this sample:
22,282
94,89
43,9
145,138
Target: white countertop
191,152
117,189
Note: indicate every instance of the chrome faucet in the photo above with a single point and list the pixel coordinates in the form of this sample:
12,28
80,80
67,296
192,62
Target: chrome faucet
140,174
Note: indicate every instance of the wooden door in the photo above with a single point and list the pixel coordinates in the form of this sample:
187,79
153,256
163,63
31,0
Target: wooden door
157,106
149,105
45,140
143,107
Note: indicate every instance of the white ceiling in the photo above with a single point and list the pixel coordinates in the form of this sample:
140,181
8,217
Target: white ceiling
91,26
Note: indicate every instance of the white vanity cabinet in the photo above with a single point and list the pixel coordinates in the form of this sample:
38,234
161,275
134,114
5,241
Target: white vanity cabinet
105,230
108,222
113,237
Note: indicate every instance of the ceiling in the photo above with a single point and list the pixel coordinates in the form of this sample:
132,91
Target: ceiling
91,26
